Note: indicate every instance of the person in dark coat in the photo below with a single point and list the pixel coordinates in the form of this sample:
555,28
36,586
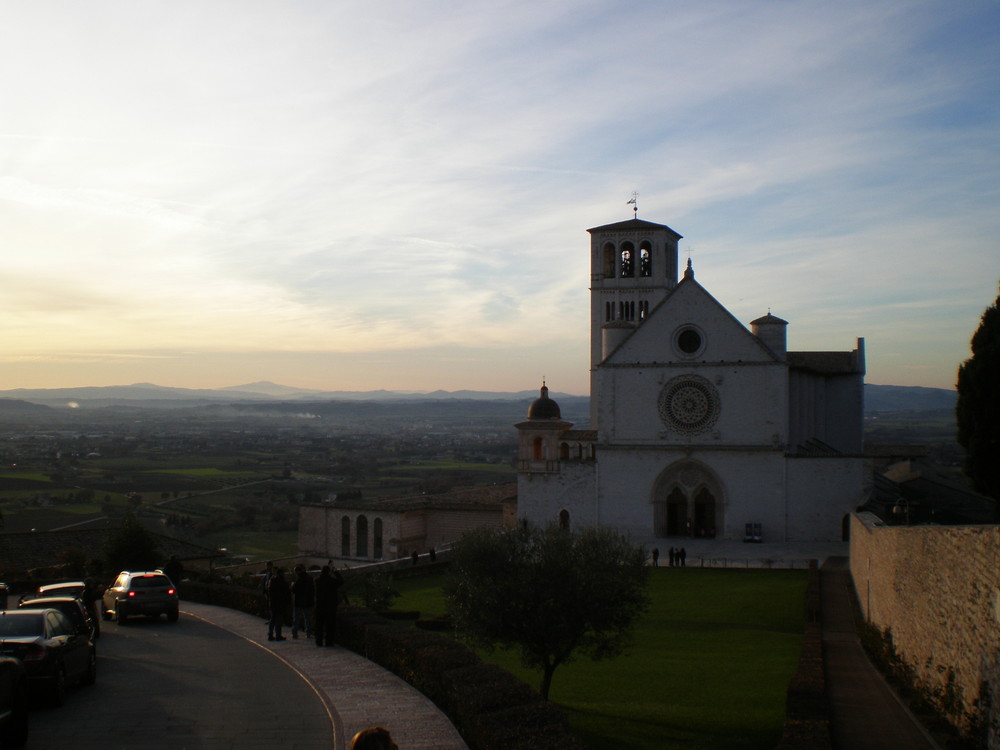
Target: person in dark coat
303,600
279,598
174,570
327,599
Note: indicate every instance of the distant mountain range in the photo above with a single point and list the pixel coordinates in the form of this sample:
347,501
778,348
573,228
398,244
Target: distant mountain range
163,397
878,398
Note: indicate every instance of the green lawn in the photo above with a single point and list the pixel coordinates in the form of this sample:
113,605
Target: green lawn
709,668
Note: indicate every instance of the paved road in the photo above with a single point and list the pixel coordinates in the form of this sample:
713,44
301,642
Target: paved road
185,686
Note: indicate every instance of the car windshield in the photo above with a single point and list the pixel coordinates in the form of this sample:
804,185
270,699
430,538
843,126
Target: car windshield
18,626
146,582
66,607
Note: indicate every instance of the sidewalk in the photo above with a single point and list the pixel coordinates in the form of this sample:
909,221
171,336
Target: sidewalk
357,692
865,713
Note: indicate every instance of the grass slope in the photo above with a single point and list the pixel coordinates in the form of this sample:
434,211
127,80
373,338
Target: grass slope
709,667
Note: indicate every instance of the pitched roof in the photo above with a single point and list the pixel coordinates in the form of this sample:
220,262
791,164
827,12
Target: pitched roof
490,496
824,363
634,225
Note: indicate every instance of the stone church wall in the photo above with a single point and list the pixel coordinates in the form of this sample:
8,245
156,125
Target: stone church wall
822,492
938,589
540,497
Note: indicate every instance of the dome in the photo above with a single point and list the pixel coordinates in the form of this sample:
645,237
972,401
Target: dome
544,407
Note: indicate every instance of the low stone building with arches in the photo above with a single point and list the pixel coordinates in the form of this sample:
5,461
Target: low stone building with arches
393,527
699,426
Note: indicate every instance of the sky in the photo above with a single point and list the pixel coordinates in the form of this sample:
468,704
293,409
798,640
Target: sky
392,194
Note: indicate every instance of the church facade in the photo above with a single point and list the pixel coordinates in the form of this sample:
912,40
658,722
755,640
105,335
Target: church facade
699,426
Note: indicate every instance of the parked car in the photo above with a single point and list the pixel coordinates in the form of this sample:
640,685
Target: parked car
73,608
143,592
89,597
64,588
13,703
54,653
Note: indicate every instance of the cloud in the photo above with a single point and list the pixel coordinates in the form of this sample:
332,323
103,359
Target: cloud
249,177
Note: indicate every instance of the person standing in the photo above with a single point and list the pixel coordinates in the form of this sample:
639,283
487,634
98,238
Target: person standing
327,599
303,599
174,570
279,596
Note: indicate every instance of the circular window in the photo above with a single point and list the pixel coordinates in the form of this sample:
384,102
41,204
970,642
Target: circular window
689,404
688,341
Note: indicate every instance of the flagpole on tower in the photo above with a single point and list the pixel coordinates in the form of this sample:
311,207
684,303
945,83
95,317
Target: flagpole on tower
635,204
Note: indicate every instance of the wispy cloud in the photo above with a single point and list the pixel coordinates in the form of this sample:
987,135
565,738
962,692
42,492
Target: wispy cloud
338,180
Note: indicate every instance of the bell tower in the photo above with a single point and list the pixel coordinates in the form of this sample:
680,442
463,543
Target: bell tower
633,266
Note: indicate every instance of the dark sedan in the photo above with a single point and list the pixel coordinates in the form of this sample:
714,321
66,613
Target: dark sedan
55,655
70,606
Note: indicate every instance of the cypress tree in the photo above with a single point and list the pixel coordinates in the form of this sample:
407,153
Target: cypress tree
978,406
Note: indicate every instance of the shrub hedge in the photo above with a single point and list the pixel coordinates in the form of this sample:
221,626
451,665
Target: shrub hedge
807,708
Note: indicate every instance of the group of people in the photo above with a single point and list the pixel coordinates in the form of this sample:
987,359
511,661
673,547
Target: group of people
312,604
677,557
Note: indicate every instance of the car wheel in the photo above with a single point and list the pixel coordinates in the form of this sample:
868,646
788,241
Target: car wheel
172,615
90,676
105,615
15,731
120,615
57,693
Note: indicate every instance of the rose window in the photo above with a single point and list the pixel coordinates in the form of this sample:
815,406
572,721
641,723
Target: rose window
689,404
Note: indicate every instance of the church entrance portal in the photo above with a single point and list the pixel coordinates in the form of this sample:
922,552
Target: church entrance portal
687,501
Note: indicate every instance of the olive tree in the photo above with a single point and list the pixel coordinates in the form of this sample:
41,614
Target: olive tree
131,546
549,593
978,407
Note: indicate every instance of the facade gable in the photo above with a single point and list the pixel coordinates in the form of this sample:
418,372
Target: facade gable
689,325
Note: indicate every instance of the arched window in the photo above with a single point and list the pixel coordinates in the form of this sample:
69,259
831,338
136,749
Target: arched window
643,309
538,449
564,451
645,258
377,542
362,536
609,311
564,519
608,260
345,537
628,260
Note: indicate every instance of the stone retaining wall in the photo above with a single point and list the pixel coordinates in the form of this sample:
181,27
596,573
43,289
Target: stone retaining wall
937,589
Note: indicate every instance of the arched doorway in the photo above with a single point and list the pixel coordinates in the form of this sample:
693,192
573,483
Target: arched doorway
688,500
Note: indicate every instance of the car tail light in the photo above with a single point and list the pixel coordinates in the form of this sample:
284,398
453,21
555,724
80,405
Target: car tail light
171,592
131,593
34,652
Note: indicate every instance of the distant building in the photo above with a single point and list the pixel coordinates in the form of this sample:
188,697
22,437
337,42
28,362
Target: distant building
698,425
910,492
393,527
